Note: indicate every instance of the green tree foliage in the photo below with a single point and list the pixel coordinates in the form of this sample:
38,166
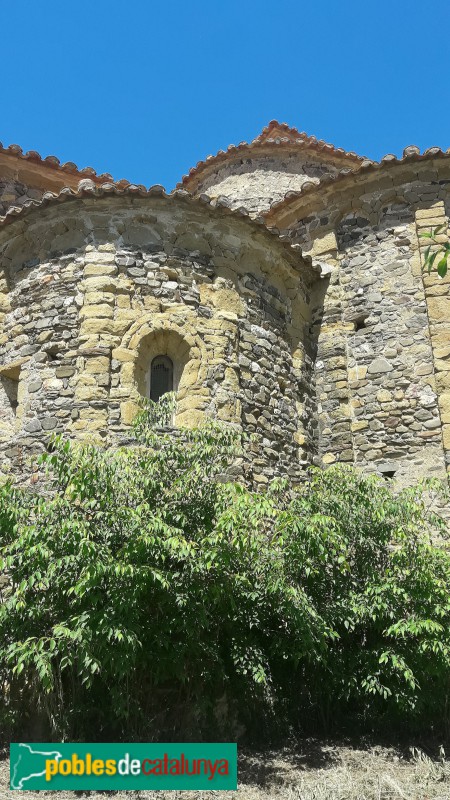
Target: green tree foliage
146,596
436,254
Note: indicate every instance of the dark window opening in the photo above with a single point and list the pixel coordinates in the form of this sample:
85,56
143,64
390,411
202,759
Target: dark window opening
161,377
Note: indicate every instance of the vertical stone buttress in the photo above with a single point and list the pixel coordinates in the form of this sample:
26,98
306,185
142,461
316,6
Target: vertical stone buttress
332,375
438,307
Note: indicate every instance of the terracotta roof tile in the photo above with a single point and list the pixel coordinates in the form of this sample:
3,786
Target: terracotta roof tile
281,130
279,134
410,154
53,163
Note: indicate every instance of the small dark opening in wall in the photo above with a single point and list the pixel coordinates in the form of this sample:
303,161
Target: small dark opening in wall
282,384
389,474
52,353
11,389
360,324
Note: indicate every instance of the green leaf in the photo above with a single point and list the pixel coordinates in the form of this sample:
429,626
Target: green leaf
442,266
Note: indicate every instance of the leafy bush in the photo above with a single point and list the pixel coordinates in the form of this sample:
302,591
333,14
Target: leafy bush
368,564
147,597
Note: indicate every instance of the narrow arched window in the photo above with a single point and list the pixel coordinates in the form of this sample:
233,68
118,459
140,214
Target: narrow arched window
161,377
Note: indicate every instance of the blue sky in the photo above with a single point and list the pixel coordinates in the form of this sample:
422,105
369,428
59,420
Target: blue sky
145,89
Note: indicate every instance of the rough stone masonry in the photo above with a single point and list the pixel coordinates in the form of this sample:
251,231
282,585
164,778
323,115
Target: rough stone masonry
282,281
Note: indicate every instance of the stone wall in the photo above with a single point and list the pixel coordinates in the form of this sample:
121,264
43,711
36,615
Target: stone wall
394,410
14,193
353,366
94,287
259,180
383,329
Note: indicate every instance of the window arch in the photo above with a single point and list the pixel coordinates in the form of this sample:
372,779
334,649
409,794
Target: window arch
161,377
179,371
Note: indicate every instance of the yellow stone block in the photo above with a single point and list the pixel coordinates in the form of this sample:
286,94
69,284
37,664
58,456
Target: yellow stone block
4,301
415,263
437,209
229,300
100,284
93,298
231,379
128,411
432,221
439,309
86,380
90,393
216,341
12,370
98,364
127,372
442,382
442,352
260,478
440,338
441,366
446,436
79,425
122,354
126,315
94,414
191,401
192,418
329,458
335,328
221,298
94,270
359,426
99,257
123,301
91,326
337,362
438,289
222,323
324,244
207,292
444,403
97,311
152,303
432,279
227,412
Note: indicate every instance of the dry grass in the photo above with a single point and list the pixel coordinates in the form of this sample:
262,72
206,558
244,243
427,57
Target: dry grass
310,770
